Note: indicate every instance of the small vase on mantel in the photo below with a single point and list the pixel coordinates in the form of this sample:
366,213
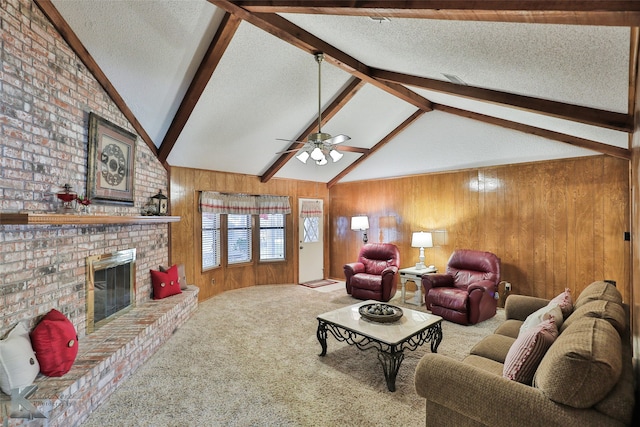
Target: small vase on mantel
85,205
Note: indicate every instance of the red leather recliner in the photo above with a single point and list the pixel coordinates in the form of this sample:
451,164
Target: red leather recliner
466,293
375,275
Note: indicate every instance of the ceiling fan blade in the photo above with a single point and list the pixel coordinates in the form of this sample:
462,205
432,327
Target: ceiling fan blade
290,140
288,151
338,139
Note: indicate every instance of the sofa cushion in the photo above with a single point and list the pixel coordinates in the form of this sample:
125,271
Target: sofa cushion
550,311
484,364
527,351
509,328
565,301
602,309
494,347
598,291
583,364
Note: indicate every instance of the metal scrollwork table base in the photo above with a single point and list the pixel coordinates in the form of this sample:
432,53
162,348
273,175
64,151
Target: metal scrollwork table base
390,339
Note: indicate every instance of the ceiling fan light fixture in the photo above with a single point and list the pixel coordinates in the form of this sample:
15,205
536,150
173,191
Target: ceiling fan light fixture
335,155
317,154
319,145
303,157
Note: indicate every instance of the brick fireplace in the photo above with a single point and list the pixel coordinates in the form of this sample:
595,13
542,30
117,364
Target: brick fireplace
47,95
110,287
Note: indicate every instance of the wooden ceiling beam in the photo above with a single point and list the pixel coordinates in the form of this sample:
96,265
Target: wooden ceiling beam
607,149
352,87
376,147
609,13
210,61
72,39
576,113
287,31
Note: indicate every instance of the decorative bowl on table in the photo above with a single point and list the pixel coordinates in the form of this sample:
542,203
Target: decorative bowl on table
382,313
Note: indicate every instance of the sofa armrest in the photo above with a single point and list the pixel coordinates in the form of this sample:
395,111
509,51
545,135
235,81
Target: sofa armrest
454,387
518,307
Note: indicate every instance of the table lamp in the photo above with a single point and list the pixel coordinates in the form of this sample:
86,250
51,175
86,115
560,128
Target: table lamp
421,240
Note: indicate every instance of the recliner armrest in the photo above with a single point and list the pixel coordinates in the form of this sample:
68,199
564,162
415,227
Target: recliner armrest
483,285
392,269
437,280
354,267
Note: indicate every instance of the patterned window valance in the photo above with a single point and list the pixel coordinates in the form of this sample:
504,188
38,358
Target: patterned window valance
243,204
311,209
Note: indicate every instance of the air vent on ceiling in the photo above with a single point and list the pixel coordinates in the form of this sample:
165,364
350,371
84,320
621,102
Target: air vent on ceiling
455,79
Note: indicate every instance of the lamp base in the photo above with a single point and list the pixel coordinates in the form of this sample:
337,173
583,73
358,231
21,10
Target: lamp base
420,266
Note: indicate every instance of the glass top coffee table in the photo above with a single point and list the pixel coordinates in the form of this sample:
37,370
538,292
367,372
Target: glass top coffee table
412,330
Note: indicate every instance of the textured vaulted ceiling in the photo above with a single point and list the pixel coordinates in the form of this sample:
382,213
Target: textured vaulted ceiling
263,87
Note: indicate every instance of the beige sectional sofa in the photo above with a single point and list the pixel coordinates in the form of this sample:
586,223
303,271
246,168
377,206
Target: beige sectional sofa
585,378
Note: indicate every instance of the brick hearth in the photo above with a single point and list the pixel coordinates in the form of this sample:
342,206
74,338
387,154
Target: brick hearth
107,357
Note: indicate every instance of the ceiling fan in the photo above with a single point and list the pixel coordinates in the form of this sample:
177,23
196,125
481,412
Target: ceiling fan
319,145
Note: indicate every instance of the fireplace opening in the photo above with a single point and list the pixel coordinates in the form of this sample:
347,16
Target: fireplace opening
110,287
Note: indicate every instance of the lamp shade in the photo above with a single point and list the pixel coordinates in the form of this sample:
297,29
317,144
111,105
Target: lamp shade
303,157
317,154
421,240
335,155
360,223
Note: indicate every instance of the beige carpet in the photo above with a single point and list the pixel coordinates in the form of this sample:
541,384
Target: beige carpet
249,357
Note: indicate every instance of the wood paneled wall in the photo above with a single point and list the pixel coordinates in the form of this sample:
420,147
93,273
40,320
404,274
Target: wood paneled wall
553,224
185,185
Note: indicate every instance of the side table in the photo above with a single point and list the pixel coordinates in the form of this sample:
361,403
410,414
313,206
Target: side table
415,275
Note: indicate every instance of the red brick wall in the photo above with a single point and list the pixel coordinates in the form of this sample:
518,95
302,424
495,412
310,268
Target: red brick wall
46,95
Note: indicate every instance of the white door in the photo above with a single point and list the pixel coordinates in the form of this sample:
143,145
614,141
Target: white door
311,246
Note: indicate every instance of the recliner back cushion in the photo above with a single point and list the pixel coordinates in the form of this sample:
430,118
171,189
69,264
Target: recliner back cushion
582,365
375,266
468,266
378,256
463,278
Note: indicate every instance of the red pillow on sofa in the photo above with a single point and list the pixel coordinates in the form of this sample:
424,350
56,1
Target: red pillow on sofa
55,342
166,283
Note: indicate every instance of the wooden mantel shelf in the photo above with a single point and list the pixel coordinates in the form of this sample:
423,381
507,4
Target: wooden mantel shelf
59,219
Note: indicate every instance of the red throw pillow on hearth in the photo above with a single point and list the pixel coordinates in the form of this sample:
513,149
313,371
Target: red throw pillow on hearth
166,283
55,342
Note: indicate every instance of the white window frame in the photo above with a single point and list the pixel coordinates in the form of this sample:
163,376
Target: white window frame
213,235
240,250
269,248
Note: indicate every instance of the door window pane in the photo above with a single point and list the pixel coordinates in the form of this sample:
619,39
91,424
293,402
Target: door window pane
311,230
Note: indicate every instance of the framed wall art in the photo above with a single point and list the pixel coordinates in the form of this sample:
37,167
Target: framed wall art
111,161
